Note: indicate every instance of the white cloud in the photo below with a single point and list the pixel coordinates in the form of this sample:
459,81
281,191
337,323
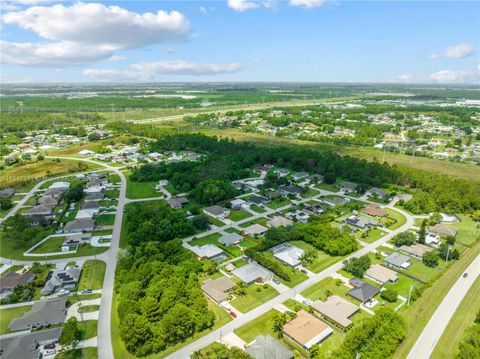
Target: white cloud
242,5
150,70
53,54
185,68
443,76
112,75
95,29
455,52
307,3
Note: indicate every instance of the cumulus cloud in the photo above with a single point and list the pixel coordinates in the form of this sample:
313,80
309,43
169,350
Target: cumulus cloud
455,52
307,3
150,70
97,29
242,5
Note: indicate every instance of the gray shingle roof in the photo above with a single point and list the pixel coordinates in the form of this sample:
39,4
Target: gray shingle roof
42,313
362,291
26,346
265,347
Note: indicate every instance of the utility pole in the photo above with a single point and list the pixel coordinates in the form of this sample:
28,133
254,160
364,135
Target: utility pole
409,296
448,252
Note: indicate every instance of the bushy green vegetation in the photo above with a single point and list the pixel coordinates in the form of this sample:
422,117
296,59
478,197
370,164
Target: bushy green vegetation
357,266
374,337
160,300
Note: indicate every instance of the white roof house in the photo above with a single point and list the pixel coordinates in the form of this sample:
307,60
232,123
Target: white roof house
288,254
255,229
86,152
250,272
86,213
432,238
60,185
207,251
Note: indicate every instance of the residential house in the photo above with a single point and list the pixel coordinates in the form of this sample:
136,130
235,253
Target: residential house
433,239
258,200
11,280
316,178
335,201
60,185
255,230
94,197
380,274
416,250
288,254
337,309
279,221
443,230
298,216
230,239
27,346
360,222
377,192
314,208
61,279
42,314
75,241
374,210
290,190
252,272
217,212
178,202
217,289
297,176
347,187
48,201
7,192
54,192
397,260
362,291
281,172
239,203
79,225
208,251
266,347
40,214
306,330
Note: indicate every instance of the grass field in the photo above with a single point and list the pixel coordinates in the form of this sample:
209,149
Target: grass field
105,219
275,204
88,328
254,297
262,325
418,314
398,217
92,275
322,261
466,230
137,190
296,277
6,315
53,244
18,176
318,290
237,215
464,316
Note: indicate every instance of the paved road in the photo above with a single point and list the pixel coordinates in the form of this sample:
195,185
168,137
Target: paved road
185,352
438,322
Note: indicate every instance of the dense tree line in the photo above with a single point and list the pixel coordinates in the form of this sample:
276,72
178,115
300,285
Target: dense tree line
469,347
374,337
357,266
160,301
229,160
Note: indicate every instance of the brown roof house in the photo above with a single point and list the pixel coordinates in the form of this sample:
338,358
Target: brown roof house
217,289
444,230
306,330
374,210
337,309
381,275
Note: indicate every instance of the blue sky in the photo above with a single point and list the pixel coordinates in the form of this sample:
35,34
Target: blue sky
240,40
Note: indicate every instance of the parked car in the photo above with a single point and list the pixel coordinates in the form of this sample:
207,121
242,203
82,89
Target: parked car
276,281
86,291
233,315
50,352
303,271
465,275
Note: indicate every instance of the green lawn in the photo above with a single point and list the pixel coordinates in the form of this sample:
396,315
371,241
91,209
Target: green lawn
323,260
372,235
6,315
328,346
215,222
93,272
238,215
296,277
112,193
105,220
52,245
422,309
328,187
420,271
239,262
257,209
256,295
318,290
263,221
142,189
402,285
114,178
85,353
88,328
398,217
310,193
466,229
262,325
275,204
89,308
464,316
